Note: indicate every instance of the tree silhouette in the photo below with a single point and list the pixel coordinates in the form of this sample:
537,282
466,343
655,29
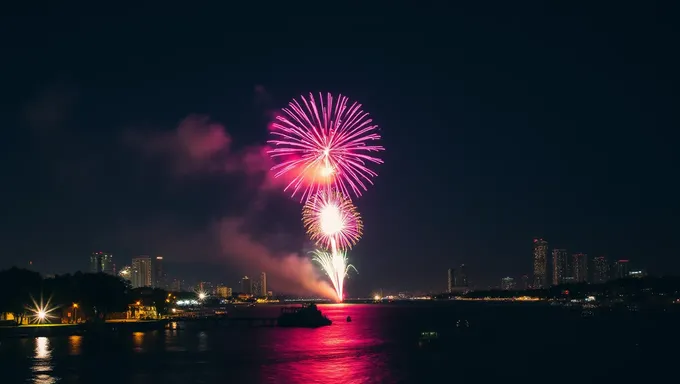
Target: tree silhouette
17,286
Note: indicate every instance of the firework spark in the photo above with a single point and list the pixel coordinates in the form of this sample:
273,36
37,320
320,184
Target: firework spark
336,267
332,221
325,144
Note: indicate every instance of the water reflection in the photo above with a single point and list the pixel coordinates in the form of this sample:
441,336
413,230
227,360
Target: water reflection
74,344
341,353
42,348
202,342
42,362
137,341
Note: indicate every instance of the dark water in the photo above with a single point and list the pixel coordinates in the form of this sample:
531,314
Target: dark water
525,342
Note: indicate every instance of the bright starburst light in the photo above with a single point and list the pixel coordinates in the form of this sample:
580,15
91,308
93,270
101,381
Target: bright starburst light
42,312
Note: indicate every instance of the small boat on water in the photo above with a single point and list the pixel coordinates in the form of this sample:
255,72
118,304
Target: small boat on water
349,319
428,339
306,316
462,324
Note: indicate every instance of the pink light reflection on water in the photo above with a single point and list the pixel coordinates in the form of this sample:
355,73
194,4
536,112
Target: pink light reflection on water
341,353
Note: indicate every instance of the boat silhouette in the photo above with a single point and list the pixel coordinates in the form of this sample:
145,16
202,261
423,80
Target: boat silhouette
306,316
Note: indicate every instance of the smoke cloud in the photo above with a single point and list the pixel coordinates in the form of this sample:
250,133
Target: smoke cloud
290,272
200,145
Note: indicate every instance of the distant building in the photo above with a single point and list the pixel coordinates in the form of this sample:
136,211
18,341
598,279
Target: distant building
540,257
621,269
141,272
223,292
462,277
580,266
451,282
560,266
507,283
246,286
102,262
159,280
601,270
262,292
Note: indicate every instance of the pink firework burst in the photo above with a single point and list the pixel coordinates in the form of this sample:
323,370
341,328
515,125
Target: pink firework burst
322,144
332,221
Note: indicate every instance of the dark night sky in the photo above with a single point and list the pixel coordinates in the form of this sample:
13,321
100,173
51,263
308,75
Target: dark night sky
501,123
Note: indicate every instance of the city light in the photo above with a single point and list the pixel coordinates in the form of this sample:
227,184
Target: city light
41,311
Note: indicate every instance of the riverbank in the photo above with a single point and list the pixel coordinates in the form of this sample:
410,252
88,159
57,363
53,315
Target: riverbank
47,330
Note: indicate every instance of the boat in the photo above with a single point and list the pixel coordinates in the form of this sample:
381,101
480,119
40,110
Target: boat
428,339
587,313
462,324
349,319
306,316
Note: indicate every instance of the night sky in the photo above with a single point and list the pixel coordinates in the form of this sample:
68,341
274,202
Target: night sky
501,123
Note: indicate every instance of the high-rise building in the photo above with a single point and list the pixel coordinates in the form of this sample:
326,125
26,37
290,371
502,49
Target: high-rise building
262,292
158,273
560,266
223,292
141,272
462,278
451,274
540,263
601,272
580,266
256,287
246,286
102,262
507,283
621,269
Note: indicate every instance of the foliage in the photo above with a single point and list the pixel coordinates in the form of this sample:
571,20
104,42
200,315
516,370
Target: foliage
96,294
18,285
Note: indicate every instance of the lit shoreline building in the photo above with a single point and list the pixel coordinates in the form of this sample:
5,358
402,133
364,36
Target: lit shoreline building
540,263
141,272
560,266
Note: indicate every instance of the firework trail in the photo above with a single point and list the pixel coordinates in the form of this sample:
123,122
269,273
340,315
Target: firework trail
324,145
332,221
336,267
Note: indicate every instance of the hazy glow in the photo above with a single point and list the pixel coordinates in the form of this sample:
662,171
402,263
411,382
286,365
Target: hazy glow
318,138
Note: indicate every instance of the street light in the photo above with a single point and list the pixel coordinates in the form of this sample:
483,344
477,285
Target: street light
75,311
